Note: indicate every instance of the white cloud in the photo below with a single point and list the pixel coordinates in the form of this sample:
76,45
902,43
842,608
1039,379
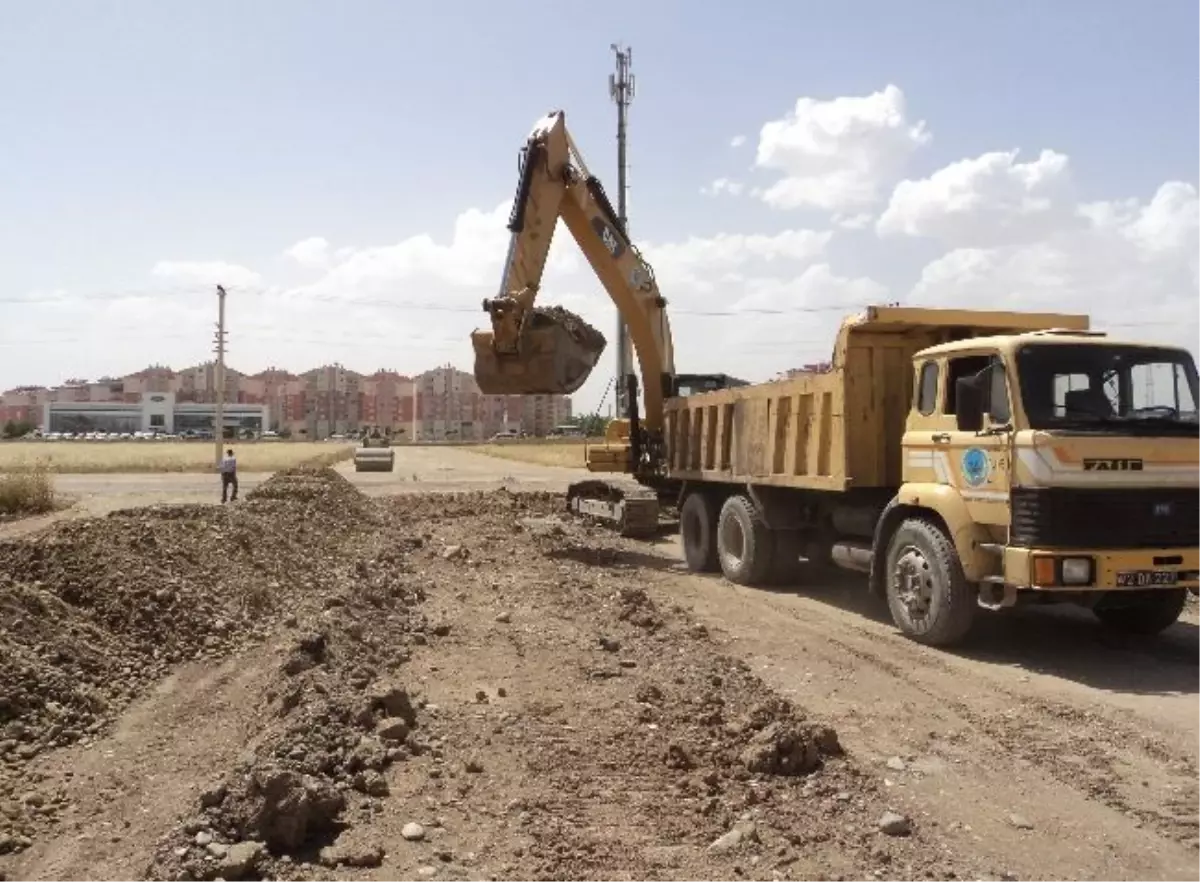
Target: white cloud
752,304
1130,265
723,185
213,272
737,141
985,200
838,154
311,253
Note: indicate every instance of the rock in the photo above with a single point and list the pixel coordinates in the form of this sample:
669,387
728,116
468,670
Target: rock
782,749
453,552
894,824
392,729
473,766
393,700
213,796
371,783
609,645
203,838
217,849
441,630
284,808
426,871
240,860
346,855
1020,821
742,831
413,832
896,764
504,618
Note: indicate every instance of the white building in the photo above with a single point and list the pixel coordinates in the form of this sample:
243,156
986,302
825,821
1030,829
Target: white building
155,412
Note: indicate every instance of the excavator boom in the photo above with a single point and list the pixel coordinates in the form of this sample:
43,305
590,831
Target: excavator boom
533,349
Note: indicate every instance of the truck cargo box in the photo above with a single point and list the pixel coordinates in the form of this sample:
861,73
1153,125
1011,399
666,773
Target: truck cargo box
829,430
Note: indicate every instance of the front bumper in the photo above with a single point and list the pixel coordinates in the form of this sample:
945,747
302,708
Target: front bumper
1137,569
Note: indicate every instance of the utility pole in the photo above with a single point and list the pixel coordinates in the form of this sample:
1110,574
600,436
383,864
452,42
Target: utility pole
620,89
219,428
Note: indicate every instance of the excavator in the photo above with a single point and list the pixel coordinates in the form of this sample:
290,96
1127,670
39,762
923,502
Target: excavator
537,350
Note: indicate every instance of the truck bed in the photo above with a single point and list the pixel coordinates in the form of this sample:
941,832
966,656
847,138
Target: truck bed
833,430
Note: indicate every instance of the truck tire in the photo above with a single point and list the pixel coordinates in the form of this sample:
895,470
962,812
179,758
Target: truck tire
698,532
1156,612
744,544
930,599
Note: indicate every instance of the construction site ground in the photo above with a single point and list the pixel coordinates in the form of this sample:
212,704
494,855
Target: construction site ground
434,674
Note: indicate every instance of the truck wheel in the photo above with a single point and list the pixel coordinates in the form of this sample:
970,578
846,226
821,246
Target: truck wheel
698,532
930,599
1155,612
743,543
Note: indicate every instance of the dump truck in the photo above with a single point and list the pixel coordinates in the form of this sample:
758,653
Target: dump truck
960,459
375,453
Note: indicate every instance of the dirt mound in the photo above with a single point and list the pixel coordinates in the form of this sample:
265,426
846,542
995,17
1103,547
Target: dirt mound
92,611
319,493
335,720
578,327
437,509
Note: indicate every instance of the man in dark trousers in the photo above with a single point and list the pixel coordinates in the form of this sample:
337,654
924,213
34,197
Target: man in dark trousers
228,476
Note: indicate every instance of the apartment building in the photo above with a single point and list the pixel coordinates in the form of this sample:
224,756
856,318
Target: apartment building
440,404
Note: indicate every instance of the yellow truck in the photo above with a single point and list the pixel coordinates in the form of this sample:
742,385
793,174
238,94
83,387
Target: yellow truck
960,458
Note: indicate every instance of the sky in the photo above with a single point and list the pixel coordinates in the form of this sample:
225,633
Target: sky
345,170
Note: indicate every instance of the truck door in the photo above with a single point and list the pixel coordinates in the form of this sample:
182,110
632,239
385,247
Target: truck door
979,463
976,464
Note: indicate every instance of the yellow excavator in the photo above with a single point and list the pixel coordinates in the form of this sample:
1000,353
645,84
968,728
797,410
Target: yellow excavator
531,349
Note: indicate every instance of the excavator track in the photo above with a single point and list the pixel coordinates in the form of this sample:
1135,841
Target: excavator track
632,511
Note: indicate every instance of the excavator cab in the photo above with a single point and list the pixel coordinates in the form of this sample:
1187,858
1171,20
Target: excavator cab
534,351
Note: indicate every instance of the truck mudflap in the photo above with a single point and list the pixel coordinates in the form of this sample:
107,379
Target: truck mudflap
632,511
557,351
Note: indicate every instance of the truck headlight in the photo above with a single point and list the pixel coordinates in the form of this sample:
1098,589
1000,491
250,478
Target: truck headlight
1076,570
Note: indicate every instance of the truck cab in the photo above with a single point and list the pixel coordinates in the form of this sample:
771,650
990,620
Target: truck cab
1047,466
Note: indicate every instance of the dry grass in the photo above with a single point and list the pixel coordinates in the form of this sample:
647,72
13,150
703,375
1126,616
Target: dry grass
564,452
26,493
117,457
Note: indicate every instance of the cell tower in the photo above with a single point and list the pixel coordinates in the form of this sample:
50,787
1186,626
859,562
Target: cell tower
620,89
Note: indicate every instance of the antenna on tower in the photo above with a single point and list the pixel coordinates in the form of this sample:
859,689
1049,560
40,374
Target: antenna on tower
621,90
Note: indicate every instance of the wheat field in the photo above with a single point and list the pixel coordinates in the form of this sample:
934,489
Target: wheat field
131,457
564,452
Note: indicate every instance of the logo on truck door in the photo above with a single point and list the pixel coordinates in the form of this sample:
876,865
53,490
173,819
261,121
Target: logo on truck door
608,236
975,466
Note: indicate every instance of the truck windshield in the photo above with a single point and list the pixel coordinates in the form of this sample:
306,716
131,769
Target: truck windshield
1115,389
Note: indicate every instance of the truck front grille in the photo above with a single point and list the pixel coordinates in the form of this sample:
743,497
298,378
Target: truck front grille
1122,517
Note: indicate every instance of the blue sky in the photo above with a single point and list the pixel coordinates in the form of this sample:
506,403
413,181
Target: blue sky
148,132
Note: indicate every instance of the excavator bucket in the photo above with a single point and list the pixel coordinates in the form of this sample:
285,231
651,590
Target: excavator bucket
558,351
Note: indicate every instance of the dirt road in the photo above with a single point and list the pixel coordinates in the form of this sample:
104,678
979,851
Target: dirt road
600,691
418,470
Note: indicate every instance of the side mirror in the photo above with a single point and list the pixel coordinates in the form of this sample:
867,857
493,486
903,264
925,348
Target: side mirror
968,396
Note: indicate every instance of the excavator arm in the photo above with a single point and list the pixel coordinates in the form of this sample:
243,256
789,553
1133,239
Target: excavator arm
540,350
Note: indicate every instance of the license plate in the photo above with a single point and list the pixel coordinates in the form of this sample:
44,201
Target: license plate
1145,578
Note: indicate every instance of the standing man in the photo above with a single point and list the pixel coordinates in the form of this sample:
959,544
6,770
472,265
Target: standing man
228,476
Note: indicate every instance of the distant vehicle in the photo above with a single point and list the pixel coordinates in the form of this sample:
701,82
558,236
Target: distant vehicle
567,431
506,435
